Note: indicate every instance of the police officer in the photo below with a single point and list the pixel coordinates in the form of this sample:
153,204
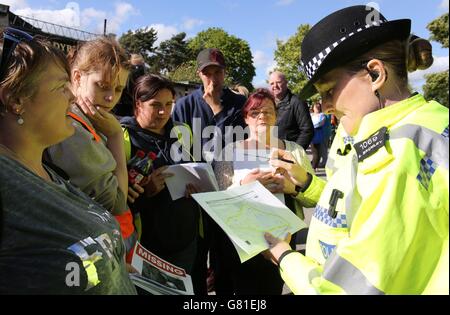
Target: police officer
381,222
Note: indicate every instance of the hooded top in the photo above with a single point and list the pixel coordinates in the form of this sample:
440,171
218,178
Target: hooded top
168,226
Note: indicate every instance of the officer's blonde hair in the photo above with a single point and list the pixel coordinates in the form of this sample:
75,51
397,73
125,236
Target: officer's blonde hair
399,58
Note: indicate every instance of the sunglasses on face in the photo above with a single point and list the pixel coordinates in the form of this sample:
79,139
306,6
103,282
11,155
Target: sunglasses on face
11,38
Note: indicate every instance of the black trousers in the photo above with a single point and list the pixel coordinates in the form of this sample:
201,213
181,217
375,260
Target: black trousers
256,276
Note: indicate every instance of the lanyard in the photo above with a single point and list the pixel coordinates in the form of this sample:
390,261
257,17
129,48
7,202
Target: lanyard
86,125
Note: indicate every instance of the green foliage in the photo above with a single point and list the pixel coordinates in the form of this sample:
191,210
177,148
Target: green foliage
237,54
287,56
439,30
185,72
140,41
171,54
436,87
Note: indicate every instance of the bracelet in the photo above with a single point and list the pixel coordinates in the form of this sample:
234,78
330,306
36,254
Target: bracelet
284,254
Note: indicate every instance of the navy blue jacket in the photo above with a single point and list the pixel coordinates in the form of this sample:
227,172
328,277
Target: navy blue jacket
194,106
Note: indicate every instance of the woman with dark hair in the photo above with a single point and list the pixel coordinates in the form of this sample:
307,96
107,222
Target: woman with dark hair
169,228
55,239
257,275
381,223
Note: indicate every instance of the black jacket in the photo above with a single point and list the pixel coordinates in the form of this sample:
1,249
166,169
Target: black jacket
294,121
168,226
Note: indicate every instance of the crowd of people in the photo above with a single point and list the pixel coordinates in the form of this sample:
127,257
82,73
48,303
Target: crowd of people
70,215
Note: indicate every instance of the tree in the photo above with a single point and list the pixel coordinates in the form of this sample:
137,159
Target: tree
436,87
140,41
186,72
237,54
171,54
287,56
439,30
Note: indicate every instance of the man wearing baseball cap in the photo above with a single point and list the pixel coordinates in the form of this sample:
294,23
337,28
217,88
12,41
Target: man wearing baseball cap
212,105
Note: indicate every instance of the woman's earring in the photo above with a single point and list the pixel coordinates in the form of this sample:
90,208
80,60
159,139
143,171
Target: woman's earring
20,120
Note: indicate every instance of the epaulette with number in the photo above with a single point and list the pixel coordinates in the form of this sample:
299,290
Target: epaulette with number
372,144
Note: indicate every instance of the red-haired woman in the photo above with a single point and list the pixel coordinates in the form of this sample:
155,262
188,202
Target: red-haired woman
257,275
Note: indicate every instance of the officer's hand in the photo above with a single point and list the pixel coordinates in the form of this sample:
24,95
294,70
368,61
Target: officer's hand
276,247
294,171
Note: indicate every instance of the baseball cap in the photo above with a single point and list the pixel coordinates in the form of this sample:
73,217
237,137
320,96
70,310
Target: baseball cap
209,57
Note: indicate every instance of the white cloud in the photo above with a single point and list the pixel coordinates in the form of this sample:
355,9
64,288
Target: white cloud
164,32
444,5
92,16
264,65
417,78
69,16
284,2
93,19
260,58
89,19
15,4
190,23
123,11
270,67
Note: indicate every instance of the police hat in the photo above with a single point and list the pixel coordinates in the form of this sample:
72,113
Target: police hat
343,36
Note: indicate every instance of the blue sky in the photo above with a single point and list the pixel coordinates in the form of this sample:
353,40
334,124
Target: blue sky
259,22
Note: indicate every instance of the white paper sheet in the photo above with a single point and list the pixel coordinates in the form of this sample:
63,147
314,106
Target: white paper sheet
199,174
245,213
244,161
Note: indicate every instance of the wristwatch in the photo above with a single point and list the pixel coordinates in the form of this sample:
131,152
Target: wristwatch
300,189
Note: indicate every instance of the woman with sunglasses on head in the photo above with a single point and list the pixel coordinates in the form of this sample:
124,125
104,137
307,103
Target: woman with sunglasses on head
381,223
54,239
257,275
94,157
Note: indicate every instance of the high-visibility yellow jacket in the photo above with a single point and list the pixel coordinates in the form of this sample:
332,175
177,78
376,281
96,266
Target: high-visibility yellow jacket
390,232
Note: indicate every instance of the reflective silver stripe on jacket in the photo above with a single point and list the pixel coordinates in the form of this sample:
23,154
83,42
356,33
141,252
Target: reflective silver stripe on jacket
342,273
432,143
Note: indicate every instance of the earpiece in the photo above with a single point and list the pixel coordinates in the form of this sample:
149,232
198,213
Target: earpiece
374,75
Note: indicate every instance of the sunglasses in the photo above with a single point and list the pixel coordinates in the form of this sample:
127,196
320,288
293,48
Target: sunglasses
11,38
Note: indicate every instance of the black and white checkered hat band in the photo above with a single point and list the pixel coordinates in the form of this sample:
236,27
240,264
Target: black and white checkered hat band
312,66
